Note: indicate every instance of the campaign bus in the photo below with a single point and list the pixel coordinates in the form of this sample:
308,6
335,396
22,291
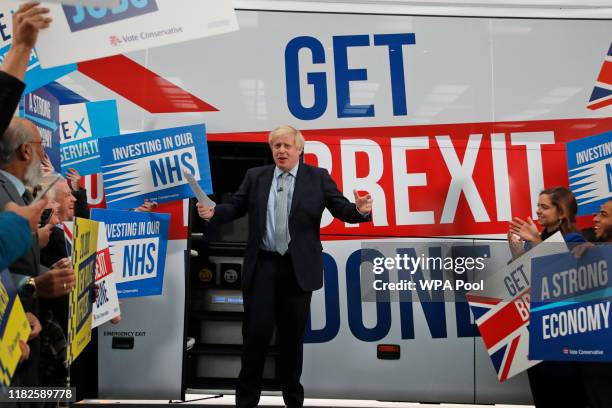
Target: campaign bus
452,117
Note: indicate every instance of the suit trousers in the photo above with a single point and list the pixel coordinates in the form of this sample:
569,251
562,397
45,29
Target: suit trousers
273,298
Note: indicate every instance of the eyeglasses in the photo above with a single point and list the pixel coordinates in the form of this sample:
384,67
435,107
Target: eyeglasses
39,142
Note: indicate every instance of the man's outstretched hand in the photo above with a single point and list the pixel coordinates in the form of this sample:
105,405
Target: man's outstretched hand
205,212
363,203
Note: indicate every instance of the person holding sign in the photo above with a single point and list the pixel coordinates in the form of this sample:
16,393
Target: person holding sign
283,261
603,223
16,227
27,21
20,153
553,384
597,376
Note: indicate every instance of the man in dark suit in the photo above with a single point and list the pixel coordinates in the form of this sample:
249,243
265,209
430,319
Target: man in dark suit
283,261
27,21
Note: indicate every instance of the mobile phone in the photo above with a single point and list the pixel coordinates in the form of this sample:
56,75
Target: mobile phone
45,216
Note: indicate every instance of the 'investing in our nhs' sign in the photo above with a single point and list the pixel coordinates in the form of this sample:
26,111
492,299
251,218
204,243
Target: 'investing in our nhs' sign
589,162
151,165
138,243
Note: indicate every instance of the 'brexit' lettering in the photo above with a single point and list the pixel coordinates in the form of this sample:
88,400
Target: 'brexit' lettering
80,18
343,74
442,180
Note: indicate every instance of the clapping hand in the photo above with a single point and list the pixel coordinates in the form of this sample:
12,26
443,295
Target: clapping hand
526,230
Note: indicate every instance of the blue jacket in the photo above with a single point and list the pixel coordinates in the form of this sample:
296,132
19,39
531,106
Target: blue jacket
15,238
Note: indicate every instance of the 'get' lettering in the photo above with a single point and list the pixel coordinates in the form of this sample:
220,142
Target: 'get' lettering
343,74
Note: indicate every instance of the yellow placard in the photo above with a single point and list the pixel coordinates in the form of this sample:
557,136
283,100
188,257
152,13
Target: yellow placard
15,327
85,242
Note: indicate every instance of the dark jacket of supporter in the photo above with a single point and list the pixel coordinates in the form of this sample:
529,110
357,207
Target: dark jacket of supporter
54,319
10,92
81,208
597,376
553,383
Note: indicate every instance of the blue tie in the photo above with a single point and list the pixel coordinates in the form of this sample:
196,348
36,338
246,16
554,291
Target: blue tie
281,232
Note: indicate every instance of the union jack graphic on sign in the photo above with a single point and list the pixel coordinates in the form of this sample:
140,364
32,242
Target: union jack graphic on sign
504,331
68,227
501,310
602,92
114,40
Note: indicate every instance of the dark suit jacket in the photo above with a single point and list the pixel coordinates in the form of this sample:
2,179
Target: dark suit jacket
313,192
10,92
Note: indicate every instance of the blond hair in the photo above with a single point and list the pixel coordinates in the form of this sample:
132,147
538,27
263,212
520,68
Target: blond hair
286,129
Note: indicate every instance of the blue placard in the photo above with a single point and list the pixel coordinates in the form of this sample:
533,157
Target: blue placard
150,165
37,77
81,125
589,162
570,307
138,243
42,108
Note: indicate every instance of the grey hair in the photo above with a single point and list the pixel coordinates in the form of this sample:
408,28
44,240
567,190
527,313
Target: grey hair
15,135
297,136
46,181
